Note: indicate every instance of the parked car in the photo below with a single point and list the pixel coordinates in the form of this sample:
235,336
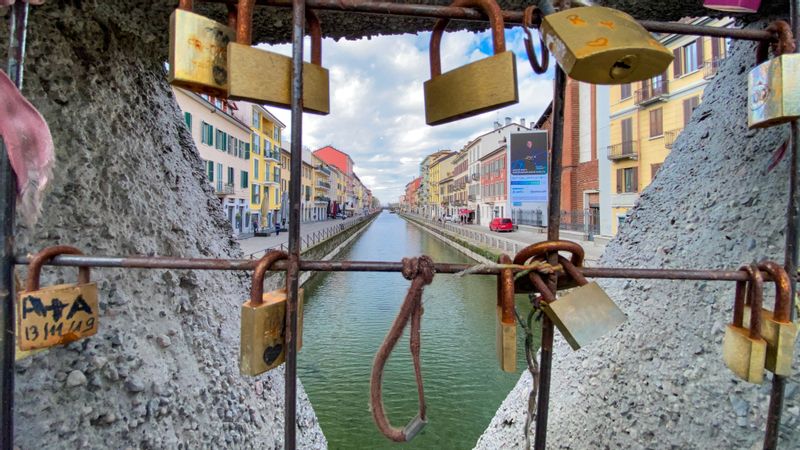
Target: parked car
447,218
501,224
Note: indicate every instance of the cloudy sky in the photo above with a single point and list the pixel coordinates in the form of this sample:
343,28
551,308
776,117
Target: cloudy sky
377,107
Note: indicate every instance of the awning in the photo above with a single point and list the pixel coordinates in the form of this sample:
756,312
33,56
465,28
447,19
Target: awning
465,211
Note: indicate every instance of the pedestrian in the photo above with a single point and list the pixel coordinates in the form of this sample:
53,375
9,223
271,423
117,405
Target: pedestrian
283,222
277,229
255,226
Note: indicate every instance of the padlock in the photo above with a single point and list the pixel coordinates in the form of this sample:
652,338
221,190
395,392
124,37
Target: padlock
263,343
55,315
583,314
476,88
198,48
773,92
603,46
265,77
776,327
506,329
540,251
744,350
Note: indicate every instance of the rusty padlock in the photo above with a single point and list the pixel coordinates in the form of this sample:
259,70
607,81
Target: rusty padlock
540,251
265,77
478,87
776,327
773,92
55,315
744,350
583,314
198,49
263,343
506,328
601,45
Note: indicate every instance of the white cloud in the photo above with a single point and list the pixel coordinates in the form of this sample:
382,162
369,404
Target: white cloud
377,106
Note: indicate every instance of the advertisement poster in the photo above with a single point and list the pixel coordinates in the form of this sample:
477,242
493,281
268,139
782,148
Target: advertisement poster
528,174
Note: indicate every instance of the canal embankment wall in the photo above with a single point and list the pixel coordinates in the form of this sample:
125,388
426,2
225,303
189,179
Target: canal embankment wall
469,247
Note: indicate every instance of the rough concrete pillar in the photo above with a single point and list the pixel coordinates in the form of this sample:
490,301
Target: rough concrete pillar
162,371
659,381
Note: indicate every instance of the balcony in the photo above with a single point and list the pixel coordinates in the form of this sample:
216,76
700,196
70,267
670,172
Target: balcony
273,155
476,176
624,150
323,169
226,189
323,184
670,136
711,67
652,93
321,199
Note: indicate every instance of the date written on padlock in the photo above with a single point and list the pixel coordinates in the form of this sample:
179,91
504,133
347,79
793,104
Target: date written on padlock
55,315
263,340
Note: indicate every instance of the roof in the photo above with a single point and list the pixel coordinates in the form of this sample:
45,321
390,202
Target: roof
545,115
213,109
494,152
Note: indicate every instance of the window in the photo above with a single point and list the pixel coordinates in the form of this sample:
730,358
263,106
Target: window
276,174
277,196
255,194
268,149
230,176
654,169
256,119
627,136
256,144
308,193
232,144
243,176
222,140
255,169
210,170
246,150
689,105
187,117
625,91
628,180
277,134
688,58
206,134
656,123
219,177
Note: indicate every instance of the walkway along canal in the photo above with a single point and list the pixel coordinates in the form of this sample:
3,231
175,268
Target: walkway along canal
347,315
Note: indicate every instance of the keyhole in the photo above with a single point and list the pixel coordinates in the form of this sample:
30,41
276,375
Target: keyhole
622,67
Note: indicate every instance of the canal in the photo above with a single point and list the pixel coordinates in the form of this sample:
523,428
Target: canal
348,314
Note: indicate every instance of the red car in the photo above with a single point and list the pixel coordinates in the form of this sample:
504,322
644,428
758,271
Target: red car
501,224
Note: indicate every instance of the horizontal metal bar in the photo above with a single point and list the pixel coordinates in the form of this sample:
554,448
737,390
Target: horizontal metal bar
509,17
164,262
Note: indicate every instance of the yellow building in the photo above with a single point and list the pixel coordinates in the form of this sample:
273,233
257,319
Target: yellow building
286,159
439,170
266,175
322,188
647,117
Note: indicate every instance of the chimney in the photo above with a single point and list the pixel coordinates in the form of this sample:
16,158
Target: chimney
496,125
522,122
508,120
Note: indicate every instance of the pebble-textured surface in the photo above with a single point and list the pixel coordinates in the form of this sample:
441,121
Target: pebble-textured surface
659,381
162,371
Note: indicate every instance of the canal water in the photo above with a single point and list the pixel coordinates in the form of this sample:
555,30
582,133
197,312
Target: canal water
347,315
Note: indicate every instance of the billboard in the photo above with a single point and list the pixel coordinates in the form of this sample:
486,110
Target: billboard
528,176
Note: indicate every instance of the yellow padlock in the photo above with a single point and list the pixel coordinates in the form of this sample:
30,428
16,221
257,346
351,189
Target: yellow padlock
506,328
773,92
744,350
265,77
603,46
55,315
198,48
776,326
263,343
476,88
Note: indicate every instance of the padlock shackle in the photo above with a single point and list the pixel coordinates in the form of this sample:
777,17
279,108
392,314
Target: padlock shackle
505,291
541,287
244,21
783,301
572,271
315,31
186,5
44,256
490,8
755,291
264,264
544,248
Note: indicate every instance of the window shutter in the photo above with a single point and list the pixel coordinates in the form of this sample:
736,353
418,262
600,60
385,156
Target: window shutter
654,168
619,180
635,179
627,130
700,51
687,111
677,64
715,48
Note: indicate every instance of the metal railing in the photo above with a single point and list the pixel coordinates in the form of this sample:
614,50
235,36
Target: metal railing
323,184
652,93
586,221
321,198
624,150
534,218
323,169
711,67
670,136
478,236
226,189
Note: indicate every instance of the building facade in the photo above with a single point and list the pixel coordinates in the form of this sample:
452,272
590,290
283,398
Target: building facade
494,185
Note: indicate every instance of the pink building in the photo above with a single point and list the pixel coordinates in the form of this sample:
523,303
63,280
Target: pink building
493,182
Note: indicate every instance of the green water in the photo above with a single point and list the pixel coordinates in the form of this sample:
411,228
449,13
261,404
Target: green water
346,318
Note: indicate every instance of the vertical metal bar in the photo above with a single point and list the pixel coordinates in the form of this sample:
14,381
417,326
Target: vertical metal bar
790,257
293,272
18,25
553,224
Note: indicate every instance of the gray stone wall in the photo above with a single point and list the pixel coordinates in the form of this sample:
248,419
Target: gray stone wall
162,371
659,381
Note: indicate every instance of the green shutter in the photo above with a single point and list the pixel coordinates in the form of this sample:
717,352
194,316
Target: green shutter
210,170
246,150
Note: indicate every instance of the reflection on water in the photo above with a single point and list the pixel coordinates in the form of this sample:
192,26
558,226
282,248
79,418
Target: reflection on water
347,315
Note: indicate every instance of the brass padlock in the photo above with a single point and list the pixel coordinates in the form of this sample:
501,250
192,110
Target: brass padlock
198,48
263,344
55,315
476,88
603,46
744,350
506,329
776,327
266,77
773,92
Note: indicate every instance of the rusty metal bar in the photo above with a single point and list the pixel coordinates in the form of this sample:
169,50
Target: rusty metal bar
509,17
17,27
293,270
